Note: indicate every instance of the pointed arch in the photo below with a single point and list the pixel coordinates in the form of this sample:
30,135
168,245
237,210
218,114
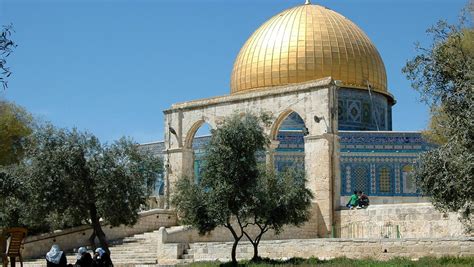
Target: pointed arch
275,128
188,143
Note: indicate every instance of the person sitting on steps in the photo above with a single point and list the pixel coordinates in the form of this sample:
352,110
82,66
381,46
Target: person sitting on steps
84,258
102,258
353,201
363,200
55,257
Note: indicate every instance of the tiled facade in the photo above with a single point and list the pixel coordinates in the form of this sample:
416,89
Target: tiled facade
376,162
359,110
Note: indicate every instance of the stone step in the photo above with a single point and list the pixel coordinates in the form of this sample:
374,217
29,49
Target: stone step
118,250
184,261
126,260
137,250
136,244
187,256
129,240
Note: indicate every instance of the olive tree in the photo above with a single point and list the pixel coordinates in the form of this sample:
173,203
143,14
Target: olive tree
278,199
16,124
235,192
71,178
443,73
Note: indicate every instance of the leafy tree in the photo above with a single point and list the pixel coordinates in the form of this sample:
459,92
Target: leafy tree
436,133
234,192
6,47
15,125
278,199
444,75
71,178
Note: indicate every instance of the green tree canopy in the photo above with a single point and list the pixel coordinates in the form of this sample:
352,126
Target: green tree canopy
15,126
444,75
278,199
234,192
70,178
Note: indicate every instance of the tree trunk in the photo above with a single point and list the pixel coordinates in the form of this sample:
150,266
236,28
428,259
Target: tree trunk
234,250
236,242
92,239
98,229
255,251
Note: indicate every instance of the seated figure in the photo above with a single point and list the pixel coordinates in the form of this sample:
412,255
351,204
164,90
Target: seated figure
55,257
353,201
363,200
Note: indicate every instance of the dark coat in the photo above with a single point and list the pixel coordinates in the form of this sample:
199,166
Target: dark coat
84,261
103,261
62,262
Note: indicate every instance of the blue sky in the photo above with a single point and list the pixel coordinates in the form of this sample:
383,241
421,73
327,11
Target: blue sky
112,67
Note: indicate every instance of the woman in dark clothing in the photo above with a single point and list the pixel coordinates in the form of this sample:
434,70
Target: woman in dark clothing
102,259
55,257
84,258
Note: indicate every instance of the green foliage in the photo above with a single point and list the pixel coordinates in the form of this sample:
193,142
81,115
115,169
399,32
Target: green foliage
280,199
6,47
15,125
436,132
69,178
234,192
444,75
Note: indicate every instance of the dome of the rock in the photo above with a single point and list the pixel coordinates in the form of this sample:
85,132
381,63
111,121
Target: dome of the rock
305,43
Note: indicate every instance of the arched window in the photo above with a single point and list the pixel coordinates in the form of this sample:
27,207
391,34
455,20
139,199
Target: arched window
159,185
385,180
290,135
409,183
200,140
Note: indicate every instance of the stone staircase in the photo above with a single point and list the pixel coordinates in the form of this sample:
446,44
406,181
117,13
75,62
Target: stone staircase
188,255
138,250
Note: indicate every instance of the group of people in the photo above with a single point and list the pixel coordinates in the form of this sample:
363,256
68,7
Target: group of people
358,200
57,258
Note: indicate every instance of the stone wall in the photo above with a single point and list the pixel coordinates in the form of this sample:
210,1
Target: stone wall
378,200
416,220
326,248
186,234
37,246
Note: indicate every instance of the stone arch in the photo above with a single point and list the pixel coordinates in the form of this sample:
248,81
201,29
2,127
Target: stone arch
188,143
287,141
280,119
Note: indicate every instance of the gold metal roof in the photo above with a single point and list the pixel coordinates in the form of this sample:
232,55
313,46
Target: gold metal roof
305,43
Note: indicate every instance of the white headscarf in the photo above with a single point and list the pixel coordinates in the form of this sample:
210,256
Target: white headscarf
54,255
81,251
101,251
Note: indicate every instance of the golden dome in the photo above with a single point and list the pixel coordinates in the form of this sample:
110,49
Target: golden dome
304,43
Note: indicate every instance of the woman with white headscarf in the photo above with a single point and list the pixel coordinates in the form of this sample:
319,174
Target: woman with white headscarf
84,259
102,258
55,257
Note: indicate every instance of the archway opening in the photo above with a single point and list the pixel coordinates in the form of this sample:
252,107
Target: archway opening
290,137
201,138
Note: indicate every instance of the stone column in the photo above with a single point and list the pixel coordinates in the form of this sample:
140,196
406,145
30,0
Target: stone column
319,171
270,154
179,164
